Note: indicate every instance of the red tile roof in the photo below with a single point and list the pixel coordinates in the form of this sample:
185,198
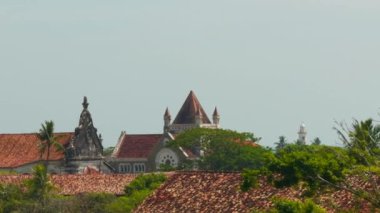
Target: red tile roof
137,146
189,110
76,184
19,149
220,192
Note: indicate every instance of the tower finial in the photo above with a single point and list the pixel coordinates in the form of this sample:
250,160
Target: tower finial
167,119
85,103
216,117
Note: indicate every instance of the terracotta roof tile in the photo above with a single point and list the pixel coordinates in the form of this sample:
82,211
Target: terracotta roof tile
19,149
76,184
220,192
138,146
189,110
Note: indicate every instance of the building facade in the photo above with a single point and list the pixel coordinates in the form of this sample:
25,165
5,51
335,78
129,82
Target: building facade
135,153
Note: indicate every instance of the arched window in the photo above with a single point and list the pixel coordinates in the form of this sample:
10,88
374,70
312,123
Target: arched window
125,168
139,167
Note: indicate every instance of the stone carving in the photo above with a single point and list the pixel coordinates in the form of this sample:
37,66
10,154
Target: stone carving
86,143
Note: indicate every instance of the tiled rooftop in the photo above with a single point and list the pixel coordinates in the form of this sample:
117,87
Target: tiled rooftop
76,184
220,192
137,146
20,149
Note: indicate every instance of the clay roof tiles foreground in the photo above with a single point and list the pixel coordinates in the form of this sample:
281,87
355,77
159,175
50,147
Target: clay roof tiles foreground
137,146
77,184
189,110
20,149
220,192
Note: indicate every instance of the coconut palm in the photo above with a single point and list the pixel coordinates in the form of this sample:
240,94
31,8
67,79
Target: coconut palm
281,143
47,140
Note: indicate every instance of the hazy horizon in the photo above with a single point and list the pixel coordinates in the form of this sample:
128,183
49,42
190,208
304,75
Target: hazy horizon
267,65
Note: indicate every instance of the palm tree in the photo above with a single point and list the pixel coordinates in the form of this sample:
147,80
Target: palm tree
362,140
47,139
281,143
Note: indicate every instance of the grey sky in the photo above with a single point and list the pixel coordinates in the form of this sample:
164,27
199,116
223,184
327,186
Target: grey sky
268,65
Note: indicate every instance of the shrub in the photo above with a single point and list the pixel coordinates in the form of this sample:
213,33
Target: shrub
143,182
288,206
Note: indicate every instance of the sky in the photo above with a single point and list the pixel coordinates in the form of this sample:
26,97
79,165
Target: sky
268,65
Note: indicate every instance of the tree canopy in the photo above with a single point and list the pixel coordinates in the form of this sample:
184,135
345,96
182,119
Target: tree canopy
223,150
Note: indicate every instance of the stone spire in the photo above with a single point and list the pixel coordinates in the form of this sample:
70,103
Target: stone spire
86,144
216,116
85,117
167,119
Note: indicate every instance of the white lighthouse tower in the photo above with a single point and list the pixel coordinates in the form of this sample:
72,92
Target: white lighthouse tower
302,134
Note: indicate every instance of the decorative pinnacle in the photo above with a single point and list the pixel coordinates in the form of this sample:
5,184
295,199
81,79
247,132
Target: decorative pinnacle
85,103
216,113
167,113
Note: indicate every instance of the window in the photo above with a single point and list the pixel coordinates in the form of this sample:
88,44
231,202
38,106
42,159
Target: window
125,168
139,167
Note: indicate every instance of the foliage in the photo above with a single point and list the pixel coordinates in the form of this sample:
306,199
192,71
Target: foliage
11,198
166,167
93,202
362,140
37,197
316,141
298,163
47,139
288,206
145,182
222,150
108,151
39,186
281,143
250,179
301,163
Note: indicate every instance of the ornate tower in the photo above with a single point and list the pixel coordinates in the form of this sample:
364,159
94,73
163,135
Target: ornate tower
167,119
302,134
216,117
86,143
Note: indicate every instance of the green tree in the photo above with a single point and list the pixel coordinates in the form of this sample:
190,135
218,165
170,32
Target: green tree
39,186
47,140
108,151
281,143
316,141
362,140
222,150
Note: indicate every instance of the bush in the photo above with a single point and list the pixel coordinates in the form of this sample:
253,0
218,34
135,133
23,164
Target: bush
288,206
144,182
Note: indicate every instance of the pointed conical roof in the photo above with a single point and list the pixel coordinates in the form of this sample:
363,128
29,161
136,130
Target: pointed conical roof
216,113
167,113
189,110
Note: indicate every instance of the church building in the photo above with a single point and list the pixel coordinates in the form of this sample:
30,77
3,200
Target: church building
83,150
135,153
